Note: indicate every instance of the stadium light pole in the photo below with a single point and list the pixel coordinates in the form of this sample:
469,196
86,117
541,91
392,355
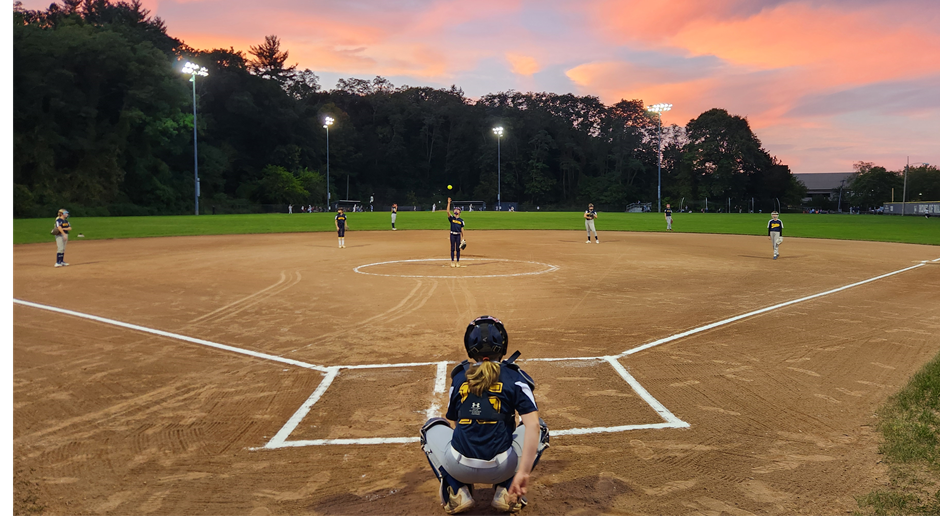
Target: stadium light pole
194,70
904,193
659,109
327,122
498,131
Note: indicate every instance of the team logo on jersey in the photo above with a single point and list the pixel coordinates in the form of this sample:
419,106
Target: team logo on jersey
475,409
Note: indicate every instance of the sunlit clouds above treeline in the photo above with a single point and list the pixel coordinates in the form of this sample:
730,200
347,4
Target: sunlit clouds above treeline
824,83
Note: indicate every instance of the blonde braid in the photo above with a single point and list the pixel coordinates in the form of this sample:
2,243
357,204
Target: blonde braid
481,376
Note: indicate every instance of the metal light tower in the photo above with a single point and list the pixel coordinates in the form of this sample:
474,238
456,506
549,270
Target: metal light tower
498,131
904,194
659,109
193,71
327,122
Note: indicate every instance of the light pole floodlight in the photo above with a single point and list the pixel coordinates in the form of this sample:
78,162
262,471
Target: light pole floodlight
498,131
659,109
327,122
194,70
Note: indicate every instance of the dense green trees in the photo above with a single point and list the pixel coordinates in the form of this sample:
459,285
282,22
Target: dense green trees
103,124
872,186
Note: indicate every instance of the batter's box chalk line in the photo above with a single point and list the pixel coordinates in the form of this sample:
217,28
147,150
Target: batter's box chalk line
546,268
280,439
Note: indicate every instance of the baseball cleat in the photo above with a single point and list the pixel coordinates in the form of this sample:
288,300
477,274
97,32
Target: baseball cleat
503,502
459,502
60,265
65,264
458,265
597,241
588,242
453,264
775,257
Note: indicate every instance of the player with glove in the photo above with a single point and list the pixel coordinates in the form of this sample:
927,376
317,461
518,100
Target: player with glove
457,241
589,216
480,442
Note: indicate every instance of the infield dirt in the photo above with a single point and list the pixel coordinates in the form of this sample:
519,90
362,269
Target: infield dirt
780,406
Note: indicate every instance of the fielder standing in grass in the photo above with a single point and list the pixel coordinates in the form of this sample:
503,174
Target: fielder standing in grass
341,227
589,216
668,213
394,216
61,232
775,233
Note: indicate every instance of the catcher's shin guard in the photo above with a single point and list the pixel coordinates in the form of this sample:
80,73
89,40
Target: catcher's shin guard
543,431
424,444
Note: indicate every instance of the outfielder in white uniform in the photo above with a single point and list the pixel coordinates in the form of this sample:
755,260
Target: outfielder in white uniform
589,217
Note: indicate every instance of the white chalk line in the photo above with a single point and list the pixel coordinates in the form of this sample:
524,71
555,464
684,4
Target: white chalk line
758,312
280,439
170,335
549,268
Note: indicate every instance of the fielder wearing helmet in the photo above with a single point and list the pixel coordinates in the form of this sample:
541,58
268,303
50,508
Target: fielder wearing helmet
61,230
479,442
456,234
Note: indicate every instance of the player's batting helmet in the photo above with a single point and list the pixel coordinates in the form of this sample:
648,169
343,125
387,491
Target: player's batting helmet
486,338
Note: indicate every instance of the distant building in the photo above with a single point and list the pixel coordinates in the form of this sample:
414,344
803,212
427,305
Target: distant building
826,184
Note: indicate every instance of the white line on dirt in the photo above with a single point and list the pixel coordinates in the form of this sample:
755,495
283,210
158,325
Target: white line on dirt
663,412
169,335
549,268
758,312
280,439
440,383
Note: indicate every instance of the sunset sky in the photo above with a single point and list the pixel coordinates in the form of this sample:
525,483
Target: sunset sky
824,83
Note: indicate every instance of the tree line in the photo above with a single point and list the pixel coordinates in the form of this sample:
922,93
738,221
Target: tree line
870,186
103,123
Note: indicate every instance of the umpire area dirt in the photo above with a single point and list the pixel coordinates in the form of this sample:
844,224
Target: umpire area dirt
779,405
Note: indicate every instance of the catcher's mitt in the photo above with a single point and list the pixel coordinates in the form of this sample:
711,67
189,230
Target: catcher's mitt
463,245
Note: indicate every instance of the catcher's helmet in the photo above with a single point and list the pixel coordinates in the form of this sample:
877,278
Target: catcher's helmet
486,338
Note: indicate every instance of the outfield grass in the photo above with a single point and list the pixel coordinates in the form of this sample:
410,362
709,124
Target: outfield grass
910,426
884,228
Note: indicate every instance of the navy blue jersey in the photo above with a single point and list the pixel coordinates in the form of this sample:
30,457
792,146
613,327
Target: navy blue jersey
63,225
456,224
341,220
668,212
485,439
775,225
590,214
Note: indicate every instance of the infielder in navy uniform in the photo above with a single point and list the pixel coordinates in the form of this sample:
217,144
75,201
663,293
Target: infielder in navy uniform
589,216
61,232
775,233
668,213
456,234
341,227
394,216
485,446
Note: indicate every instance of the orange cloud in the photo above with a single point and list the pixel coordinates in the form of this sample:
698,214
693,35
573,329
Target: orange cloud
522,64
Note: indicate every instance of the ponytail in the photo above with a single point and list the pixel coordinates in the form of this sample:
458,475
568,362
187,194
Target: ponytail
481,376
